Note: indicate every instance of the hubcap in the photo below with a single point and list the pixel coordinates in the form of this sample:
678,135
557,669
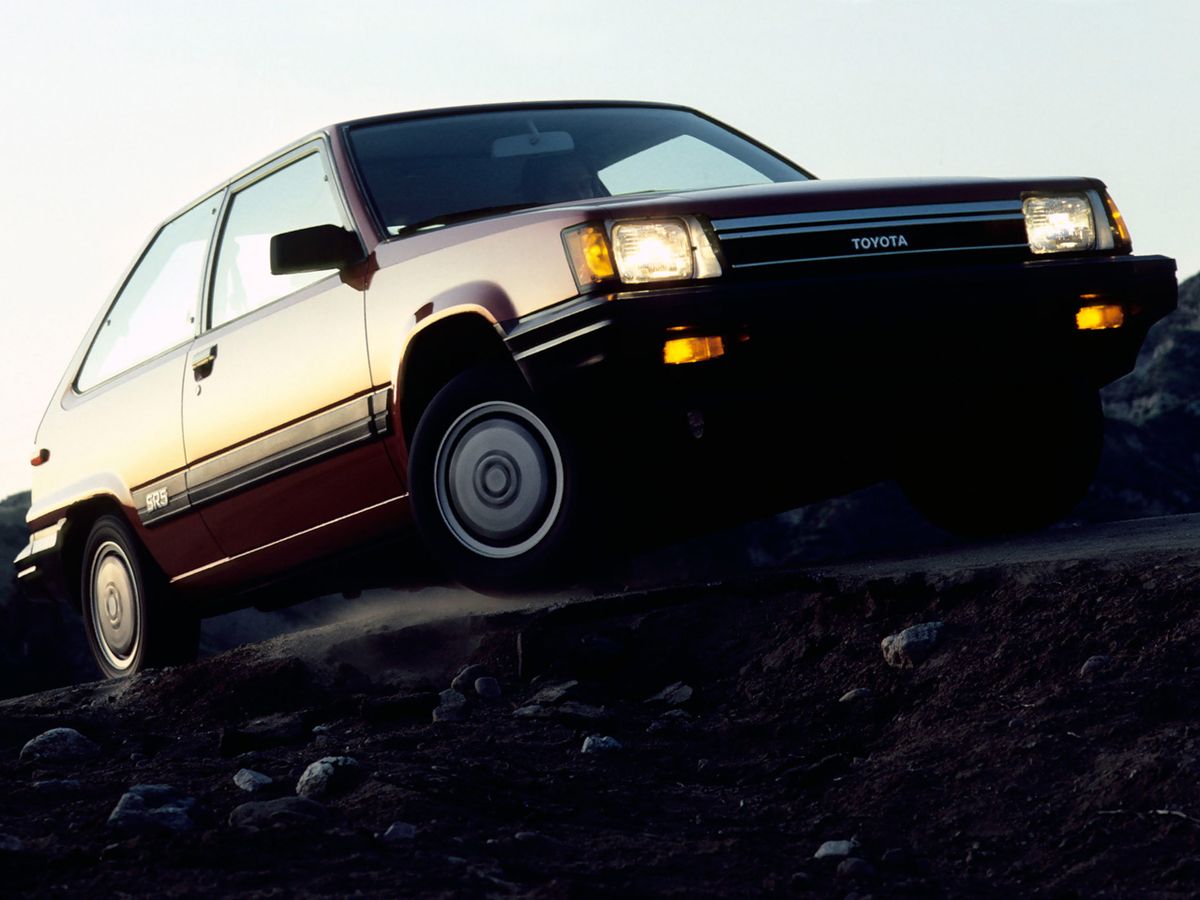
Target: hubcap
499,479
115,607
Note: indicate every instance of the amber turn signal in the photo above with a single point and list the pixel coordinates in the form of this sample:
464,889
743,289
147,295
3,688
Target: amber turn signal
678,351
1099,318
587,248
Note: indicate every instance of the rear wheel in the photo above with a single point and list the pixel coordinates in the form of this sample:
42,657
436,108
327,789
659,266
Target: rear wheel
129,618
1008,465
493,483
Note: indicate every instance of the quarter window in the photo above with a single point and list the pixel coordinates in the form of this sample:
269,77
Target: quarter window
297,196
156,308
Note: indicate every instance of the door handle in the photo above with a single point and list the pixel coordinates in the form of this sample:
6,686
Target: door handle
202,362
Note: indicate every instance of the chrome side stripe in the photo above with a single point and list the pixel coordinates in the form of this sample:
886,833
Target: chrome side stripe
604,323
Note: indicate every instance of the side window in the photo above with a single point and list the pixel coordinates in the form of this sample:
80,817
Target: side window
157,306
297,196
683,162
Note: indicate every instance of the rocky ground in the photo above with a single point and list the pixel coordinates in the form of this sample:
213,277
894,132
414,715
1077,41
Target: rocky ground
789,735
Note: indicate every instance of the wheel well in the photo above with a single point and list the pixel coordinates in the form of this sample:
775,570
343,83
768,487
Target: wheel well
440,352
80,520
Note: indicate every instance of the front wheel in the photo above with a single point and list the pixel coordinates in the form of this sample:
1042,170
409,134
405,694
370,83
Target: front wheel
1013,464
129,618
493,484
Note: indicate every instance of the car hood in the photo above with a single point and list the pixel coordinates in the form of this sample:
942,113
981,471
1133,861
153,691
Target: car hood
821,195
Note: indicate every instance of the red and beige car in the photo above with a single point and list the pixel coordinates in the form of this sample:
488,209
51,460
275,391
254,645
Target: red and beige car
503,325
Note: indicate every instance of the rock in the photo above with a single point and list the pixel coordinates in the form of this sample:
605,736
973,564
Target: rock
573,709
671,720
853,867
672,695
600,743
487,687
533,711
322,729
10,844
329,775
1095,665
451,706
836,849
286,811
252,781
153,808
264,732
59,745
912,646
57,786
555,693
855,695
398,832
896,857
465,679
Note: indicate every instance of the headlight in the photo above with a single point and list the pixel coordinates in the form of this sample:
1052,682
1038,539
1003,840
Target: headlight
1059,223
642,250
653,251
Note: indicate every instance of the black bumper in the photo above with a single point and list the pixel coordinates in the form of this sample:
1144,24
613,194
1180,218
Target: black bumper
851,359
879,330
39,566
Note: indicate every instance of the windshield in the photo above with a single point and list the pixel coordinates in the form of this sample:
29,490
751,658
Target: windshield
426,173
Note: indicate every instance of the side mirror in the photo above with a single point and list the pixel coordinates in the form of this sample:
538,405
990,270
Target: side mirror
314,250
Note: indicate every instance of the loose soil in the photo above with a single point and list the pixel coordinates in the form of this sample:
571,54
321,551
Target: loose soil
993,769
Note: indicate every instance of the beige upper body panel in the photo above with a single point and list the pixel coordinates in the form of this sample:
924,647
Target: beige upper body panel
503,268
132,436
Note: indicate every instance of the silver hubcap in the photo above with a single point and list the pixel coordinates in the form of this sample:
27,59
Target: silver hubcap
115,607
499,479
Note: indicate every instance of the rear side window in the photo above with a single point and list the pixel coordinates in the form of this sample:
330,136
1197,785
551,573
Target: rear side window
297,196
156,308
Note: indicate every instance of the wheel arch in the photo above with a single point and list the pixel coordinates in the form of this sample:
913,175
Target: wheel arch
443,347
80,519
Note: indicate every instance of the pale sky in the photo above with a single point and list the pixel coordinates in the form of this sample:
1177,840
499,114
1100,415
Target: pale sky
118,113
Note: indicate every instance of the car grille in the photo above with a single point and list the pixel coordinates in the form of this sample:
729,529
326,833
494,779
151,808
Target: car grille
895,233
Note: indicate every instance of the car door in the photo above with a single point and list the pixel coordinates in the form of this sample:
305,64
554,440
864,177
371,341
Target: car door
122,412
279,417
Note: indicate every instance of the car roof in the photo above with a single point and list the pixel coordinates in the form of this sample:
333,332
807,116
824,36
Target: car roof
330,130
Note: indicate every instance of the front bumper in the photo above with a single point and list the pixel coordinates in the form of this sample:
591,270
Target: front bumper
39,565
985,323
854,361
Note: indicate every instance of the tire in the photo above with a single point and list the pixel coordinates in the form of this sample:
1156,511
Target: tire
1015,465
129,616
493,485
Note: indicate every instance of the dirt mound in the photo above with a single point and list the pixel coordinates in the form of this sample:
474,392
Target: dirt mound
1043,745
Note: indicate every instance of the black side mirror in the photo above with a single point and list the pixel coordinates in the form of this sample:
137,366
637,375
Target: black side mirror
314,250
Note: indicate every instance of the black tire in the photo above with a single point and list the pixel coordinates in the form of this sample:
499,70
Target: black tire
493,485
1011,465
131,620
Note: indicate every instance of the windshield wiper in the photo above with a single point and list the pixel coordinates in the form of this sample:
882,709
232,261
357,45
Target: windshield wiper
462,215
